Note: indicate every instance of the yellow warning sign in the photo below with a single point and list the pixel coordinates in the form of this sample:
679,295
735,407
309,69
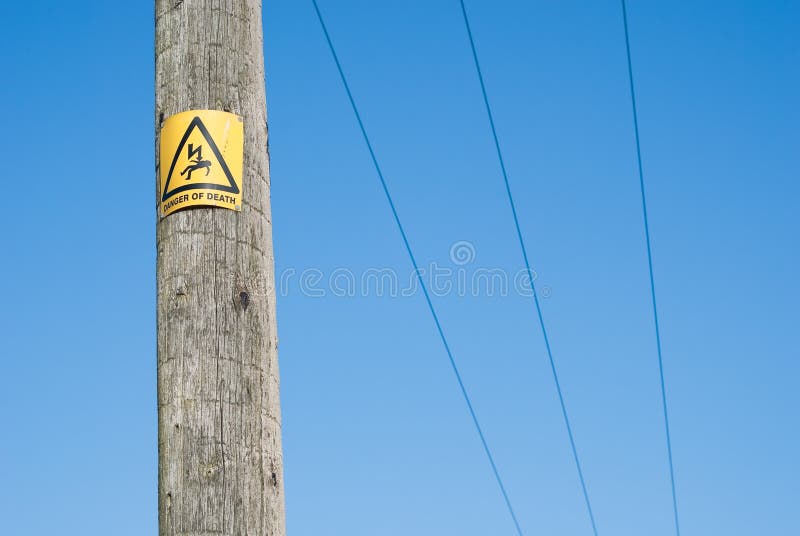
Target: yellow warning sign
201,161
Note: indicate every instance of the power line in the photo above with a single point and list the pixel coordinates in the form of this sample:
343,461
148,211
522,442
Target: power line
528,268
650,268
417,271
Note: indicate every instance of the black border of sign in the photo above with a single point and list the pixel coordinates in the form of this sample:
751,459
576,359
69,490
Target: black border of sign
233,188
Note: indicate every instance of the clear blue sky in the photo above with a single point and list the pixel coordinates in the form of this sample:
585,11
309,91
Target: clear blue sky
377,440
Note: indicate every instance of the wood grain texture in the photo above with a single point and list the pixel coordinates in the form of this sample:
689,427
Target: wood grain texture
220,461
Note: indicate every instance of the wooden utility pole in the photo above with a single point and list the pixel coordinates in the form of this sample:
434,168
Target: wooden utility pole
219,426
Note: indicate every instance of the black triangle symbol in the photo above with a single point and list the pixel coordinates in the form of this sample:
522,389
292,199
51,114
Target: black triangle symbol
232,188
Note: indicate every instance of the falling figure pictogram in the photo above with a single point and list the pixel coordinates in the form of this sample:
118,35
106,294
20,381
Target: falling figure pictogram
199,163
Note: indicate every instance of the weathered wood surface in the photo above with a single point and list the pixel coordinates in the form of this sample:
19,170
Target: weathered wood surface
220,461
